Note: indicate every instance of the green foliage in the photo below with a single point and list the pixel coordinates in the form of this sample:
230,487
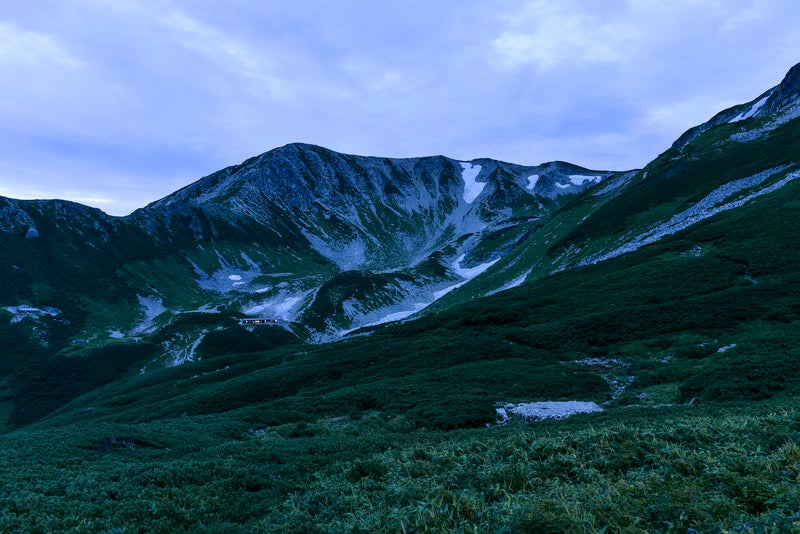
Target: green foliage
708,469
240,340
746,376
41,386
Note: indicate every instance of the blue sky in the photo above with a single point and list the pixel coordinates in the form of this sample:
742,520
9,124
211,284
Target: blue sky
118,103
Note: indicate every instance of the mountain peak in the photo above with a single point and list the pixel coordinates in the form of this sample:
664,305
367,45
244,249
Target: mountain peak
792,77
787,93
299,147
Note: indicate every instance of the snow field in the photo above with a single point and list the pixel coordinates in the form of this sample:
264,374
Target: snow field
472,188
749,113
534,411
22,311
579,179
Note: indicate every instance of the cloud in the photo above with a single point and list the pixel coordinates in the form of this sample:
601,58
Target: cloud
19,47
546,34
226,53
549,34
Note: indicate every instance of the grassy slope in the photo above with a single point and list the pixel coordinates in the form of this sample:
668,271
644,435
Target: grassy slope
665,470
671,183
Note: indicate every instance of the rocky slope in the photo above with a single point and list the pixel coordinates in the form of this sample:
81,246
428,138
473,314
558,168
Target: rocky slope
323,242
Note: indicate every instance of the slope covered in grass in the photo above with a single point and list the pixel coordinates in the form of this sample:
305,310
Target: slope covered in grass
727,467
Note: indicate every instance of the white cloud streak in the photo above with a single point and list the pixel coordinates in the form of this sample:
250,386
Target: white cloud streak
19,47
546,33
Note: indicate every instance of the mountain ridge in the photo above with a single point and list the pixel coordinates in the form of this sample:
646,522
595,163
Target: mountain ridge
324,242
784,97
327,244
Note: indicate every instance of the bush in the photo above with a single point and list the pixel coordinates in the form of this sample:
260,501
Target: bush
752,376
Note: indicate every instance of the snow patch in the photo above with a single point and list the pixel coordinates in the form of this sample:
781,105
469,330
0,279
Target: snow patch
24,311
152,308
535,411
466,273
752,111
32,233
442,292
513,283
471,272
115,334
516,281
205,308
284,306
532,180
235,277
395,316
472,188
400,315
580,179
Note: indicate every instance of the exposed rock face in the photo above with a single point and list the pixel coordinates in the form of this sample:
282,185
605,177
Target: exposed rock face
786,94
358,212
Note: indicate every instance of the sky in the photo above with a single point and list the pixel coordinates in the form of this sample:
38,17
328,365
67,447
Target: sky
118,103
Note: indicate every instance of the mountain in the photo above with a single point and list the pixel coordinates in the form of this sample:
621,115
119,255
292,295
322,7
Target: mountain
662,302
321,242
327,243
301,233
737,156
335,241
